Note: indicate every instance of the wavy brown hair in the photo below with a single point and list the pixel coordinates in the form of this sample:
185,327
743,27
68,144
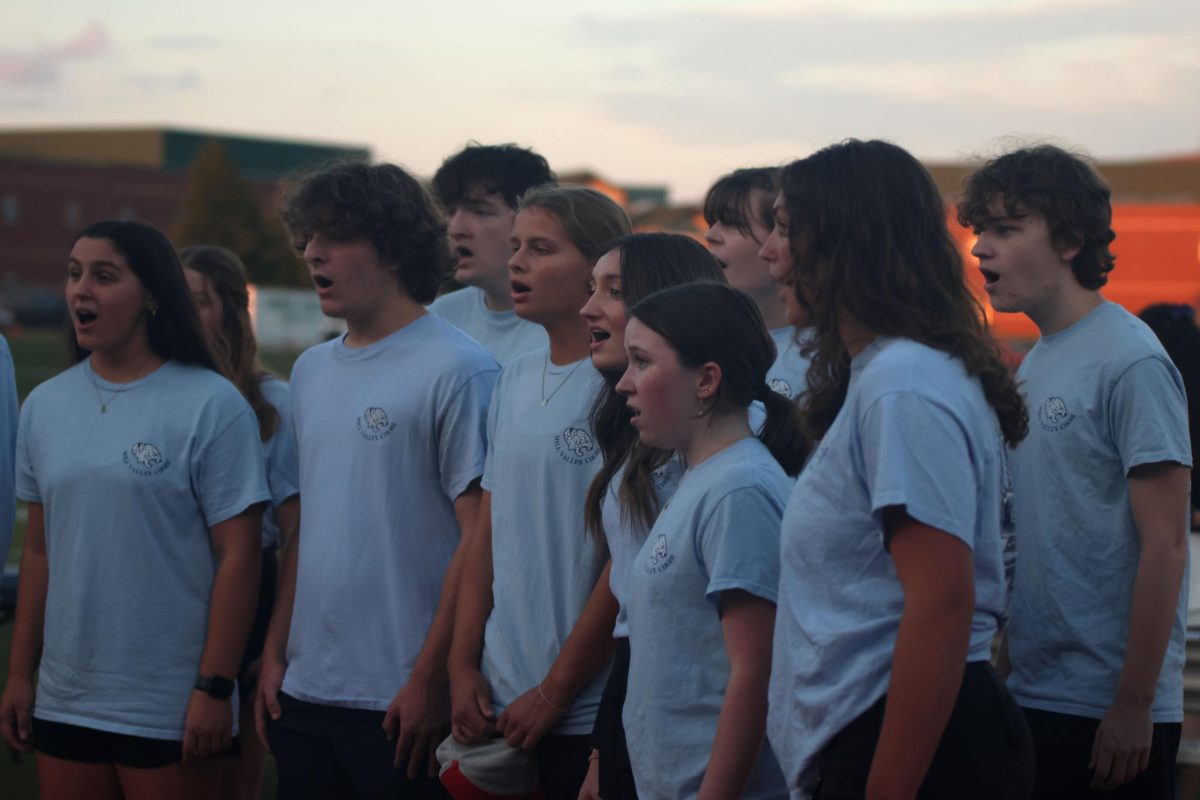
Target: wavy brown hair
868,237
649,262
235,345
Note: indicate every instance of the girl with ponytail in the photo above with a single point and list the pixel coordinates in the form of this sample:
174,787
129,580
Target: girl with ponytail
635,480
701,591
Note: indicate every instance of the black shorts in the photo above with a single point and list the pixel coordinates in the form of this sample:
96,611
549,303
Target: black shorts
985,753
608,735
91,746
1063,743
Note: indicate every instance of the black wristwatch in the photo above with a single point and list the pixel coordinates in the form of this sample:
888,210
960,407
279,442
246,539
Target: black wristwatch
214,686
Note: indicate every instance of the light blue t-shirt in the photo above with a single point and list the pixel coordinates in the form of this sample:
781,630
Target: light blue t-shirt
915,431
129,497
625,537
283,464
389,435
1103,398
502,333
541,460
719,532
8,447
789,374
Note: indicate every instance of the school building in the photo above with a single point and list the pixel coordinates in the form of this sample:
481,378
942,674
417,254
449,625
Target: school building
53,182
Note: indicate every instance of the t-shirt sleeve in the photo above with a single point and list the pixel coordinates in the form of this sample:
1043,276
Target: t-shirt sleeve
26,476
738,544
1147,415
493,415
229,470
463,433
917,454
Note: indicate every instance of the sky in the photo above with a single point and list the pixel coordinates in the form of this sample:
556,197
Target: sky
640,91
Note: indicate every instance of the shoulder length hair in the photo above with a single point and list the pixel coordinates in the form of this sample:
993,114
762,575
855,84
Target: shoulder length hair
649,262
236,346
868,236
174,330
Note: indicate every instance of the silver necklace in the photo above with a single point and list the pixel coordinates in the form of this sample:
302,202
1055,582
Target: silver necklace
124,388
545,365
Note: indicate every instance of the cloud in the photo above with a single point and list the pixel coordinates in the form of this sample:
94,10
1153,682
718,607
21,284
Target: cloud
184,41
42,66
774,74
156,82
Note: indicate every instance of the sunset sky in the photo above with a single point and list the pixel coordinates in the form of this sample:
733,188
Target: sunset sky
642,91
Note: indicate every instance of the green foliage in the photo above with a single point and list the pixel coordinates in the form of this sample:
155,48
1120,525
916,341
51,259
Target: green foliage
221,208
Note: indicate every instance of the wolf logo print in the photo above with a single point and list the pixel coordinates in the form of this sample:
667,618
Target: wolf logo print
1053,414
374,424
576,446
659,558
144,459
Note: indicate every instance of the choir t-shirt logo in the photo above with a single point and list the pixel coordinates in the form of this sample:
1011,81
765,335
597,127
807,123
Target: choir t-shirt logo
1054,416
575,446
145,459
659,558
374,424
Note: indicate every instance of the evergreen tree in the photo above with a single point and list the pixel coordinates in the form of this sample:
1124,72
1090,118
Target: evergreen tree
222,209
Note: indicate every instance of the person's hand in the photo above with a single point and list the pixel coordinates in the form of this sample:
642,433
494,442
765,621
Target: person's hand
420,713
266,696
528,718
472,720
16,714
1121,748
590,790
208,726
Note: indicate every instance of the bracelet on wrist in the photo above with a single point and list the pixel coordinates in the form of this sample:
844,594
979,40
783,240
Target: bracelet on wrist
546,700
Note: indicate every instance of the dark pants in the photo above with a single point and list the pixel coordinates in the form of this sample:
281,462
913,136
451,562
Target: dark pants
608,737
984,753
562,765
326,751
1063,743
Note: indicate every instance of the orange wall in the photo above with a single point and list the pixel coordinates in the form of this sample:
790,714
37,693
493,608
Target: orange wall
1158,260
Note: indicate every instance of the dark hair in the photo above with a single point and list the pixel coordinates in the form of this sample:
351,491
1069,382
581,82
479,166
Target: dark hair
1175,326
235,341
173,330
649,262
707,321
1060,186
503,169
591,219
731,199
384,205
867,231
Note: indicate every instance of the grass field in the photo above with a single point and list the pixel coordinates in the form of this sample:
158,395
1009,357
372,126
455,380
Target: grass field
39,355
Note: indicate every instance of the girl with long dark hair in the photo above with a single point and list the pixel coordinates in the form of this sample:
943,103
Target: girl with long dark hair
144,477
701,590
892,585
634,481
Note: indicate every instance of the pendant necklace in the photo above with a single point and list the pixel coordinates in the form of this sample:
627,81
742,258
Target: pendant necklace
545,365
126,387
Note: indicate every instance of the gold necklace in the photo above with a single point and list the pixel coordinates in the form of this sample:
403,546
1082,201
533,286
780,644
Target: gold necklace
545,365
124,388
